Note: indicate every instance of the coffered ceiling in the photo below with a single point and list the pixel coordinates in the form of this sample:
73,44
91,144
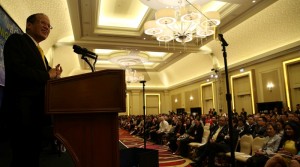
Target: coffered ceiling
118,25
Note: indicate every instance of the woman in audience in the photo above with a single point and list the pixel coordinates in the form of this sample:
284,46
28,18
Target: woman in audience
262,155
289,147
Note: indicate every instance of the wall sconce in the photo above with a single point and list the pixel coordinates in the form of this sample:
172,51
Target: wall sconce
175,100
191,98
270,86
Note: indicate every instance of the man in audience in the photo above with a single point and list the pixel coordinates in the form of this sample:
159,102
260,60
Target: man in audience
218,141
163,128
251,124
194,134
261,128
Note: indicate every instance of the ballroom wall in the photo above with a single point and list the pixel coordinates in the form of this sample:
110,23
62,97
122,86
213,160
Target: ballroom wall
247,91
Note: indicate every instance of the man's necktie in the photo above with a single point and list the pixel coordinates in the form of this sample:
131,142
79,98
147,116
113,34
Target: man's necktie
42,54
214,137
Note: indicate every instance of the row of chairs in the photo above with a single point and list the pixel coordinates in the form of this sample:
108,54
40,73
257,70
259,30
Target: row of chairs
195,145
248,146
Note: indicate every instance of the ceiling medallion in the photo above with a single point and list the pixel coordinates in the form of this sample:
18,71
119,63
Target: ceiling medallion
130,59
127,61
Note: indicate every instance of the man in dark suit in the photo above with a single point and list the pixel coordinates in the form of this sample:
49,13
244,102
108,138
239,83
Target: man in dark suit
26,73
218,141
261,128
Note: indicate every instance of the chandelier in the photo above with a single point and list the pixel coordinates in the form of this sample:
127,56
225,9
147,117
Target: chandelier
181,21
127,60
132,76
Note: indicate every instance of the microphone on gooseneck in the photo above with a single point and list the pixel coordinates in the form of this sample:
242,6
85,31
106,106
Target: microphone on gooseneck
84,51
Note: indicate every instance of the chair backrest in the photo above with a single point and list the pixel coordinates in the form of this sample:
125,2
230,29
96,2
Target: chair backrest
246,144
171,129
258,143
206,127
205,136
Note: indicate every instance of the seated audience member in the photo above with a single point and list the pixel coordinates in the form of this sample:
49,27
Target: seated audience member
151,130
163,128
137,129
260,129
273,119
251,124
194,134
280,129
284,117
214,123
241,127
187,124
218,141
289,146
262,155
178,131
208,120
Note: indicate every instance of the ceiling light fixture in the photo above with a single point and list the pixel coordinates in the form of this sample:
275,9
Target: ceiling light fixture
127,61
181,21
132,76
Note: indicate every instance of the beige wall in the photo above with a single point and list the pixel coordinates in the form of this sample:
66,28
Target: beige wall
264,71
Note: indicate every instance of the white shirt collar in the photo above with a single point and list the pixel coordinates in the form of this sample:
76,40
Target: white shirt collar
33,40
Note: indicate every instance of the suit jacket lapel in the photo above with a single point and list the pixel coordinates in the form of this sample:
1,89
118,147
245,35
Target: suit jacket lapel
35,51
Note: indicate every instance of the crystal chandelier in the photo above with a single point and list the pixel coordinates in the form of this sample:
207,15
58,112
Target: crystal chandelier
127,60
132,76
181,21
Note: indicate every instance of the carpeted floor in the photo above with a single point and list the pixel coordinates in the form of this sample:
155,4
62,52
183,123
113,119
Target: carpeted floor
166,158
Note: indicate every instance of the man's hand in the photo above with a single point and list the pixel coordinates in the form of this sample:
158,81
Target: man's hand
59,70
55,72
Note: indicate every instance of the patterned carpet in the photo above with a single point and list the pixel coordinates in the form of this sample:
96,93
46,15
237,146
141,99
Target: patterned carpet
166,158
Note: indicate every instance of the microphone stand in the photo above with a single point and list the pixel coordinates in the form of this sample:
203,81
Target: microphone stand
144,110
228,99
84,57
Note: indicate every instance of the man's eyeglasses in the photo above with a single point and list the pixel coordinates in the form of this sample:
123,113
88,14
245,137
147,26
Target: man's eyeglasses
43,23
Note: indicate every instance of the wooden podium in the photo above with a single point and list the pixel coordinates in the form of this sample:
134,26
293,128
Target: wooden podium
85,113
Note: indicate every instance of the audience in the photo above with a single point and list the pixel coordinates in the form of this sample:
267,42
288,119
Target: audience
275,127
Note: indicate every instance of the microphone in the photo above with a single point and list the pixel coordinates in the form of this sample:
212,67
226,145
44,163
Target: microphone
221,38
84,51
